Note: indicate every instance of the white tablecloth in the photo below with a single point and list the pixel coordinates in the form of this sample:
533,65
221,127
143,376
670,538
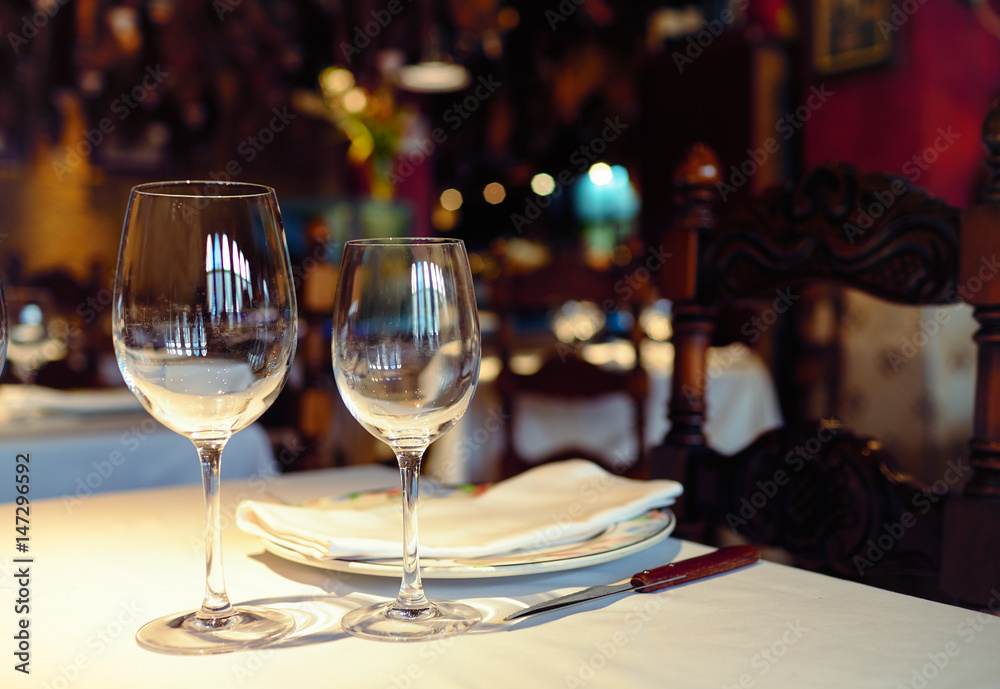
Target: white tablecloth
120,559
740,394
116,447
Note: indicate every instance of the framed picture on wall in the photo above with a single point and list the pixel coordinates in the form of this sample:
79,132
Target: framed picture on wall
850,34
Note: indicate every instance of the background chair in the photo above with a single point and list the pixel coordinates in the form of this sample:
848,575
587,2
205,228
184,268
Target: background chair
565,377
832,501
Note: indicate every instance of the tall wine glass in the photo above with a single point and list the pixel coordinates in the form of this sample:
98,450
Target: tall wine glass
406,352
204,323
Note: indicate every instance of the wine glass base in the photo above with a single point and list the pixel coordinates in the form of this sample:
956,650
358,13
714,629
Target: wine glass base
187,634
384,622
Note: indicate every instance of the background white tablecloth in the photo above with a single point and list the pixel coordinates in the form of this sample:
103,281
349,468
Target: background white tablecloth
740,395
122,559
115,446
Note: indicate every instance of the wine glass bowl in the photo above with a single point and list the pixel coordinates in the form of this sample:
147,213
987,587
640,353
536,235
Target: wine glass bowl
204,326
406,356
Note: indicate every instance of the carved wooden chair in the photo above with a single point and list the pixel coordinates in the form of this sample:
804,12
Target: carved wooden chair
833,501
564,375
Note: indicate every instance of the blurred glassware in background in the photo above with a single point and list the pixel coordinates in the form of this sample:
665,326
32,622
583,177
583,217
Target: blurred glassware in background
578,321
36,334
655,320
3,328
606,205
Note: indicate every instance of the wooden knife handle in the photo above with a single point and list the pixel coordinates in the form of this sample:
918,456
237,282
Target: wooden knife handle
722,560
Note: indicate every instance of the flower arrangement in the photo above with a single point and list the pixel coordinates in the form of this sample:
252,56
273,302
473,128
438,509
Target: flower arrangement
373,123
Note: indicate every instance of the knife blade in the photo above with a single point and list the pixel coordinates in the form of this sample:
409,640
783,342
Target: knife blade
650,580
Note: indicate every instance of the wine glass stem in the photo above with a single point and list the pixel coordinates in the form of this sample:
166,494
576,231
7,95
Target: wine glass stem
216,604
411,591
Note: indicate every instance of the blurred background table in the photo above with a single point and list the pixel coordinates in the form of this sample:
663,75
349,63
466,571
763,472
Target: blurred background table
741,396
93,441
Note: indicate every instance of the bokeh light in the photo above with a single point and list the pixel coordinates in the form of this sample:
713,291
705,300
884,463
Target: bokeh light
494,193
600,174
451,199
543,184
355,100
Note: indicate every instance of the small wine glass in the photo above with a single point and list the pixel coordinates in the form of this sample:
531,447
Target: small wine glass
204,325
406,354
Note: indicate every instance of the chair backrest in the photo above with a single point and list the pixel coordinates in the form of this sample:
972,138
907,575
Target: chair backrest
564,377
834,501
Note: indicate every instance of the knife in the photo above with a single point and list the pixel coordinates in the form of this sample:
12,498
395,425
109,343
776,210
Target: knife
649,580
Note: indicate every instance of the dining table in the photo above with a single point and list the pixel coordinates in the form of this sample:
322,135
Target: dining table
73,599
89,441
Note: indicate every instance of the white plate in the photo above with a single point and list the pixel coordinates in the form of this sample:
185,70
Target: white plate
617,541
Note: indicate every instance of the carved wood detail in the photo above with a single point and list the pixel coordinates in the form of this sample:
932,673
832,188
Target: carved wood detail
870,231
834,502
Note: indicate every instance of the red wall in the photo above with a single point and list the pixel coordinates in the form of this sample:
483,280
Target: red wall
944,75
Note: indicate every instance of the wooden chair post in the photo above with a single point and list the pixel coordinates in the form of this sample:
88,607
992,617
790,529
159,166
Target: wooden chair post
695,181
971,566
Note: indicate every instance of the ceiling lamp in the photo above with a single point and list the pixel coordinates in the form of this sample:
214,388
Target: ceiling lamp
435,73
433,77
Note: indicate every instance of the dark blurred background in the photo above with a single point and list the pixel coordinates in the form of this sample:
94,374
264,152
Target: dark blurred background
525,126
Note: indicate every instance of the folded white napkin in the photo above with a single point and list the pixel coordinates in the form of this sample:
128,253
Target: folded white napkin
551,504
